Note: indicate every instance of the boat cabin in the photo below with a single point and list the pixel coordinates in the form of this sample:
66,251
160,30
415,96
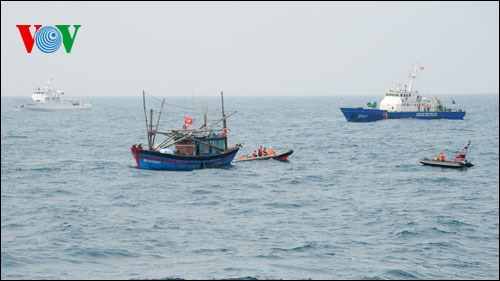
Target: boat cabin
202,143
398,99
46,94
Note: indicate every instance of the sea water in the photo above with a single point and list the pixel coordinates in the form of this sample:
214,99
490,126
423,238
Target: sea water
352,202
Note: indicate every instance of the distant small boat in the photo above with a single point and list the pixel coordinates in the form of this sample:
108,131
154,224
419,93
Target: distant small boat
282,156
47,99
446,163
459,162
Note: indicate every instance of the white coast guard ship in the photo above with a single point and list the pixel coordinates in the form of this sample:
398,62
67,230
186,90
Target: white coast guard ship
403,102
45,99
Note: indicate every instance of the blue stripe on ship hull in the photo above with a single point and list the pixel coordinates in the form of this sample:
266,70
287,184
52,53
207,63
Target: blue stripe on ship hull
363,115
427,115
369,115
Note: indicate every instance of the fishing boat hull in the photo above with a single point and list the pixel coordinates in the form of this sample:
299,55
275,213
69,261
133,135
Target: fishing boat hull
153,160
282,156
370,115
446,164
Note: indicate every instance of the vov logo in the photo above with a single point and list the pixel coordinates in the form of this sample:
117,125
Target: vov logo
48,38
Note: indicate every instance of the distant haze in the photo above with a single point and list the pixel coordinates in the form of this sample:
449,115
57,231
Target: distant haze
255,48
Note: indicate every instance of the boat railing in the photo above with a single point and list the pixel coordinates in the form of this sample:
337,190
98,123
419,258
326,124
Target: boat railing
450,109
201,133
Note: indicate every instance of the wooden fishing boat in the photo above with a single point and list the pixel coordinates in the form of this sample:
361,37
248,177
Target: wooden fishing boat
185,149
282,156
459,162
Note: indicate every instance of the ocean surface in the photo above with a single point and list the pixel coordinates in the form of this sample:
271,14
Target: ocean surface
352,202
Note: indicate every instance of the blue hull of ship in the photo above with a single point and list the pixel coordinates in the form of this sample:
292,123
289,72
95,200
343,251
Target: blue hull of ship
363,115
151,160
370,115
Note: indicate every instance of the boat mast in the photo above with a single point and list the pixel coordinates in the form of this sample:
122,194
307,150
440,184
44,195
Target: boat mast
146,117
204,117
158,121
150,132
413,75
149,126
224,120
204,108
47,89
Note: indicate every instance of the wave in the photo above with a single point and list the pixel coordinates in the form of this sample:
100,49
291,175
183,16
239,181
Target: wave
407,234
100,253
15,137
216,250
400,274
283,205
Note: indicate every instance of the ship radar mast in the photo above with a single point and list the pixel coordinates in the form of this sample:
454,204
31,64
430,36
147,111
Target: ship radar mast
413,75
47,86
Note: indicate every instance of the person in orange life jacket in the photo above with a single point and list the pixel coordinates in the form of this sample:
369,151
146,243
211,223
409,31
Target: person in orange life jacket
442,157
254,154
260,151
271,152
264,152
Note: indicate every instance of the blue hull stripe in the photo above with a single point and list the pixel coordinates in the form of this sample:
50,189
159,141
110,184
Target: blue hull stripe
155,161
369,115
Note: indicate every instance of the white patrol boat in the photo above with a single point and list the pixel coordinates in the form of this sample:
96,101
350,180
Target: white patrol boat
403,102
45,99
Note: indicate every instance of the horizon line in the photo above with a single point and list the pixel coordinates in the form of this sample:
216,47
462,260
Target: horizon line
262,95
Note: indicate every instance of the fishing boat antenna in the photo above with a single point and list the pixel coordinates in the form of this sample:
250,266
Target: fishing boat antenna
204,115
466,148
224,129
158,121
150,132
146,118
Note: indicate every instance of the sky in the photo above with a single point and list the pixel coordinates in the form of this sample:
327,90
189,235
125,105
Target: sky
254,48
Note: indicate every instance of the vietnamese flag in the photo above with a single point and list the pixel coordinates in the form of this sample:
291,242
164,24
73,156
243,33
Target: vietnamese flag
188,120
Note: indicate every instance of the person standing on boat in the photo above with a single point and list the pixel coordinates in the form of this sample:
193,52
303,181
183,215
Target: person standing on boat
442,157
260,151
